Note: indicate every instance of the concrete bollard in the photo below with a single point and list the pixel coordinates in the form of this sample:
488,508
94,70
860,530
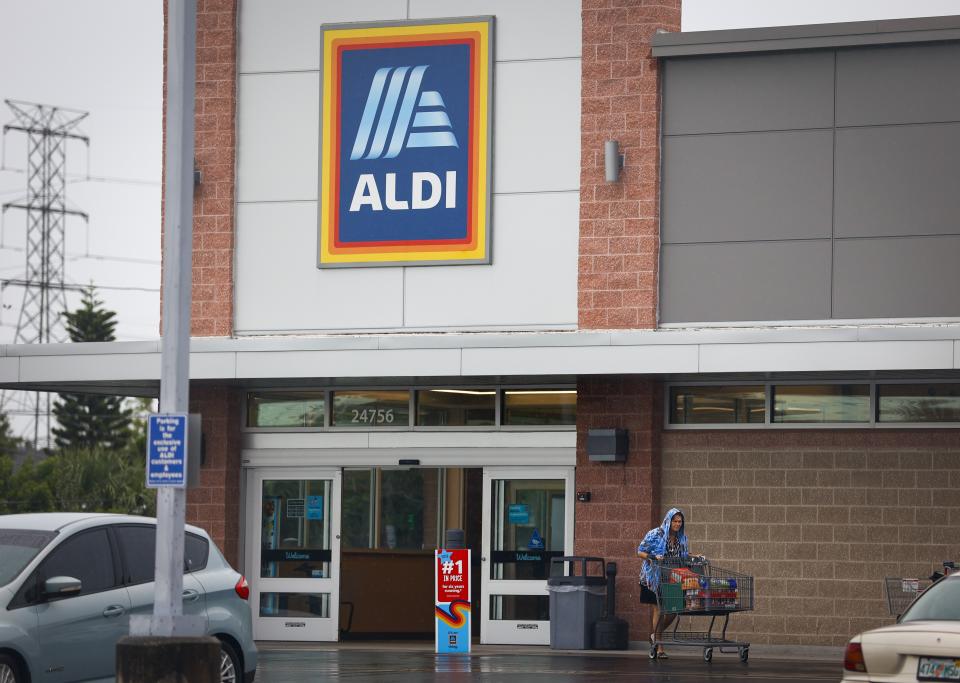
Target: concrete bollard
153,659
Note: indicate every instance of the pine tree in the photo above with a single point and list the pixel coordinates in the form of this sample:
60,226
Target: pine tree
88,421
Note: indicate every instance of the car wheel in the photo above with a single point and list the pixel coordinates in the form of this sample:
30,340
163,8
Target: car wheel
229,664
9,670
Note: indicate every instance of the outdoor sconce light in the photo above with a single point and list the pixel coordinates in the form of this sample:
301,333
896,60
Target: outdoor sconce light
607,445
612,161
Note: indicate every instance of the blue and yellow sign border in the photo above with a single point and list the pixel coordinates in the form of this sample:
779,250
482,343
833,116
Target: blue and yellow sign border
476,247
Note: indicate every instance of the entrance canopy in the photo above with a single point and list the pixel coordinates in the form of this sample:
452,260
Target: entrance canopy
133,368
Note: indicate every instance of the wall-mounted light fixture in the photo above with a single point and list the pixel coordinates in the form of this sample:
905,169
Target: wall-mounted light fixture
612,161
607,445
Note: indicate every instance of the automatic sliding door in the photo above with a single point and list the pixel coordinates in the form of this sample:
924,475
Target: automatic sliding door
528,519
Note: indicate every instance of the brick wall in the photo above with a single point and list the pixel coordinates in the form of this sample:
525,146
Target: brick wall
625,502
214,154
819,517
213,224
215,505
619,222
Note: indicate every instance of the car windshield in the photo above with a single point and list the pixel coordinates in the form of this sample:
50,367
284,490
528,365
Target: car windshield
940,602
17,548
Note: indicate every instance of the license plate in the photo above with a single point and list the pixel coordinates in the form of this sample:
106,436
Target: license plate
938,669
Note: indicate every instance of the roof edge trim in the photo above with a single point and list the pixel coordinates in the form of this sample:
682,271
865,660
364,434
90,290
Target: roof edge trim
806,37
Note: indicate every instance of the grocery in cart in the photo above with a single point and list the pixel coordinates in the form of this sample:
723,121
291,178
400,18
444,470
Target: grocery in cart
695,589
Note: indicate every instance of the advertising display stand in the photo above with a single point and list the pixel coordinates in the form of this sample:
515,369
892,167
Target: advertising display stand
451,596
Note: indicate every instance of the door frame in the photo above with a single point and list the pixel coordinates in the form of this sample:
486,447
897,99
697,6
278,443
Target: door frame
512,631
301,629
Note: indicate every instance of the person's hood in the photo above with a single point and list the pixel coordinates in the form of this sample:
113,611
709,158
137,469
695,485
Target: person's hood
666,523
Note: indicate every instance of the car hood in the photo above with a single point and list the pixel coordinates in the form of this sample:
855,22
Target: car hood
884,649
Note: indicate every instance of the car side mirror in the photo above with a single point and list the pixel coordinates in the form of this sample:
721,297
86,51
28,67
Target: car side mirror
61,587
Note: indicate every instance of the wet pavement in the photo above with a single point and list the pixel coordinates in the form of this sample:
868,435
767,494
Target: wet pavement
281,663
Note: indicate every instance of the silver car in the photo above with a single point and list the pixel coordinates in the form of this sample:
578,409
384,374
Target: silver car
69,583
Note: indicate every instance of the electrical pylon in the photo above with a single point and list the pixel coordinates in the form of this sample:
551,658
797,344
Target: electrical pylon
48,130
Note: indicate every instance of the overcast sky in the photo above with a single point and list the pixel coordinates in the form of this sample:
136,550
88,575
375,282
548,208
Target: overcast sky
104,57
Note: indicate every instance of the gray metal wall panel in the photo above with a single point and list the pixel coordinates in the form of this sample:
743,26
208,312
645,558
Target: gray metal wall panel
748,92
751,186
907,277
898,180
747,281
898,84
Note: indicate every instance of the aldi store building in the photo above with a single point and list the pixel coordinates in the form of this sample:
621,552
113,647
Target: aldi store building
417,289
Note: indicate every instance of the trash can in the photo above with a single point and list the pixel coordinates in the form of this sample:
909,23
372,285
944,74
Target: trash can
576,601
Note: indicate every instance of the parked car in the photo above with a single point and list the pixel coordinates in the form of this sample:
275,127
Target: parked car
924,644
70,582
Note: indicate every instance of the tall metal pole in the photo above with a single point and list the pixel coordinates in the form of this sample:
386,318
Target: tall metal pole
177,279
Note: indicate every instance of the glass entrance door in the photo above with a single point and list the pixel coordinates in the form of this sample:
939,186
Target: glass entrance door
527,520
294,556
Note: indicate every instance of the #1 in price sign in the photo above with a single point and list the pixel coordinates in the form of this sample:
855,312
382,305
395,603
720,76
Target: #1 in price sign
452,600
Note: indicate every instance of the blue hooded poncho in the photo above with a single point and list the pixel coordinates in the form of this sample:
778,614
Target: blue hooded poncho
655,543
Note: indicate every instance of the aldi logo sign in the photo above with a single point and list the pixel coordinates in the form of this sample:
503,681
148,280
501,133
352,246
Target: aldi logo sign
405,143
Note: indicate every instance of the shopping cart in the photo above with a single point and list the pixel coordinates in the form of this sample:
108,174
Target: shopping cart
901,591
695,589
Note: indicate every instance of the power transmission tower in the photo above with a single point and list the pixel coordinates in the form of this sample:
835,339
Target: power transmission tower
48,130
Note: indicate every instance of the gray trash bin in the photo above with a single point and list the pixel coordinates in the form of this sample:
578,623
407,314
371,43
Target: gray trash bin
576,601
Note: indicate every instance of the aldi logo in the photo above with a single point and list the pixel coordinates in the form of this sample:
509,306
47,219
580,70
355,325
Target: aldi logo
405,143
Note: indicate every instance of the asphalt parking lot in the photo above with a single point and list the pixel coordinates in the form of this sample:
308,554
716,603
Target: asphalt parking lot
290,663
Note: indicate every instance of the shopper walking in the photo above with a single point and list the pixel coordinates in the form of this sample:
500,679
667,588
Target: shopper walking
665,541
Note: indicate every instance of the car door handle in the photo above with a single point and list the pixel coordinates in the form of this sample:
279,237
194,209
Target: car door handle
190,595
114,611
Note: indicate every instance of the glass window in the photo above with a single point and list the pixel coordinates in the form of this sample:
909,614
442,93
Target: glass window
294,605
539,407
87,557
717,405
918,402
371,408
17,548
195,552
285,409
138,548
295,531
520,607
821,403
392,509
940,602
456,407
529,526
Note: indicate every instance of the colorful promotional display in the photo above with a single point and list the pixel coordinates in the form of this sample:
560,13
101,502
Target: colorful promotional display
452,600
405,160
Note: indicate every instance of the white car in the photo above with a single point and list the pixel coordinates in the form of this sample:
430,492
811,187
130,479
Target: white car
924,644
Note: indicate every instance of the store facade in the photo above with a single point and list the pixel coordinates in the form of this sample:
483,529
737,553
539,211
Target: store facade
764,298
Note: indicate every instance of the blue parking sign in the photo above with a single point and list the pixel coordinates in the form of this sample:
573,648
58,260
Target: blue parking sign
167,450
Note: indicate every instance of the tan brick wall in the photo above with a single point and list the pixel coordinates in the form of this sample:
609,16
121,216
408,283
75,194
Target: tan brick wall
619,222
624,503
215,505
214,153
819,517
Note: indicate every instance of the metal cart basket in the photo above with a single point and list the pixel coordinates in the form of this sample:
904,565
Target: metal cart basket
902,591
694,588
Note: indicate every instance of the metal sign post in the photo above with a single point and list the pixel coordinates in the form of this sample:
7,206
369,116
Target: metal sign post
168,619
